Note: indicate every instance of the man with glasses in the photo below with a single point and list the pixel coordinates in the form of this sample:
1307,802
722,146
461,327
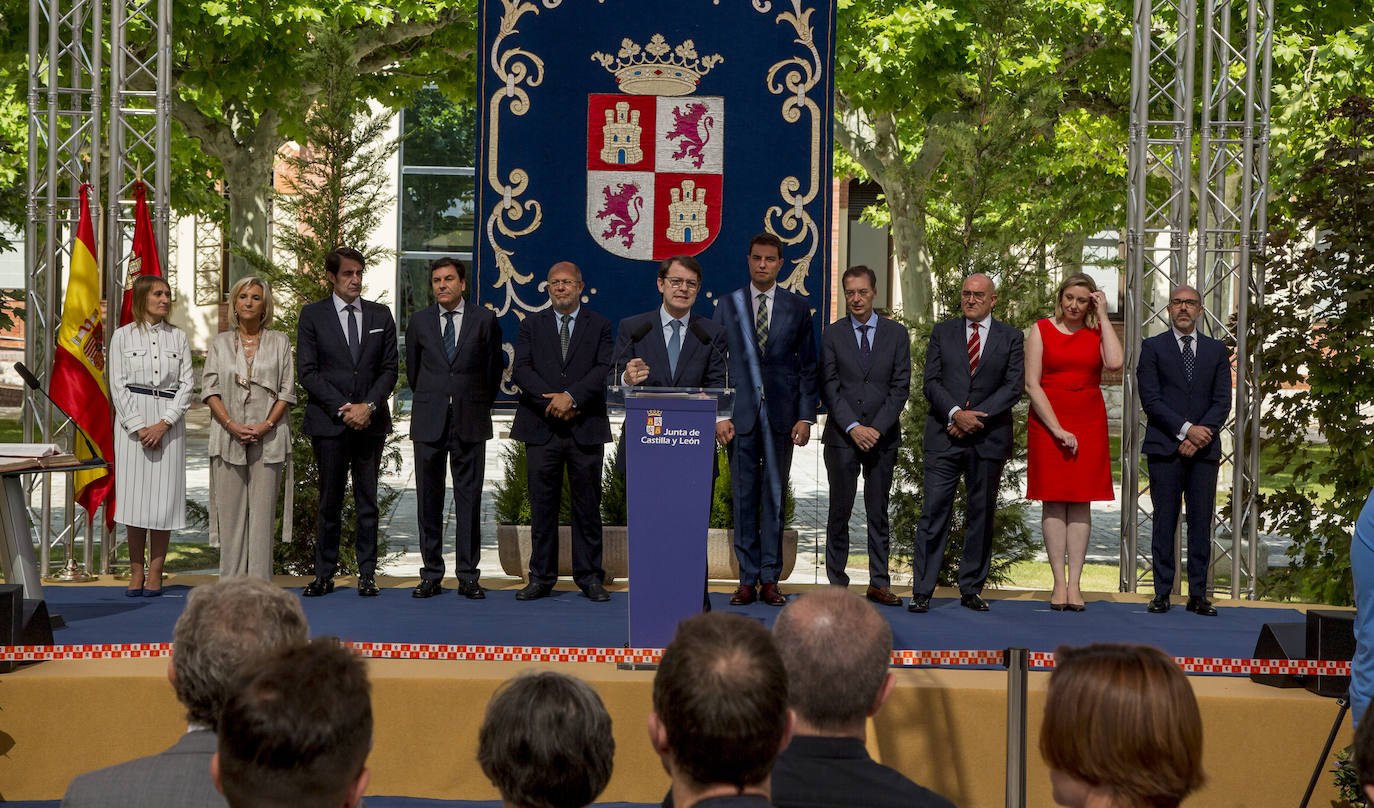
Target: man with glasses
1185,388
975,372
665,347
562,358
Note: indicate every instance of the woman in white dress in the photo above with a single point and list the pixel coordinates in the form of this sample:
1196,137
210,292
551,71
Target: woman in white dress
151,382
249,383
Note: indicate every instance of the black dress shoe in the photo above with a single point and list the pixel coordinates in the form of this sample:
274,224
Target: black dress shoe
471,590
1202,606
367,588
1159,604
974,602
920,604
770,594
317,587
534,591
427,589
743,596
596,593
882,596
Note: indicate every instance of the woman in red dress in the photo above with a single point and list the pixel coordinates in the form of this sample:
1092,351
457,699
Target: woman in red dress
1069,465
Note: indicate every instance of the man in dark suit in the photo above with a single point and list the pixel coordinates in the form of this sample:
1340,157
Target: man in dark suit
664,347
837,651
865,381
226,626
773,365
453,367
562,360
1185,388
975,373
346,360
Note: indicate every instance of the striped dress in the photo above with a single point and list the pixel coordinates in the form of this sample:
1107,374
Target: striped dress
150,484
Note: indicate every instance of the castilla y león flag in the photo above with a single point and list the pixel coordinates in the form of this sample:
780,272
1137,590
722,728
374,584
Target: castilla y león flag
143,257
78,379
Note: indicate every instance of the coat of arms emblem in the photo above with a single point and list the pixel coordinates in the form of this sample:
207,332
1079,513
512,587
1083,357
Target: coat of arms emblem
655,153
654,423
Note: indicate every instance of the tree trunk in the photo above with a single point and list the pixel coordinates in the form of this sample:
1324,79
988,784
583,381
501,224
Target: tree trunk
248,174
908,219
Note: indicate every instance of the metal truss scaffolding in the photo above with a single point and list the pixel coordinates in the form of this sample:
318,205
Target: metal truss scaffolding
67,75
1232,157
65,51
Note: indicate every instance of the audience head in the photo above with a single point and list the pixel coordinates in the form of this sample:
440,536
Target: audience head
836,649
546,742
296,732
1364,755
1121,726
720,702
224,627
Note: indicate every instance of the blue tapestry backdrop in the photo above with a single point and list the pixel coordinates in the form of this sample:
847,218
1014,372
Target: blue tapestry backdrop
616,133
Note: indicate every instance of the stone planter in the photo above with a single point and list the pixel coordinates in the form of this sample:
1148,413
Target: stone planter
513,546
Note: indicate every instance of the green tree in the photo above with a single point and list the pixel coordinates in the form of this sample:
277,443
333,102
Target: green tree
988,126
1319,359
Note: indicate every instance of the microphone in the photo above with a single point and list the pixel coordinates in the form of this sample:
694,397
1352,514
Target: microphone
32,381
699,331
636,335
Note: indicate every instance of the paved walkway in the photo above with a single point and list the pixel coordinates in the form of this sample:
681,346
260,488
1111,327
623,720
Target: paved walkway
808,482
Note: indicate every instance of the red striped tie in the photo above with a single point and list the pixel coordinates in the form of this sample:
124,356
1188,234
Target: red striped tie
973,346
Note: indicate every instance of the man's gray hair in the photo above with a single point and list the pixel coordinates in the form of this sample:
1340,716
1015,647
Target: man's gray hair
226,625
836,649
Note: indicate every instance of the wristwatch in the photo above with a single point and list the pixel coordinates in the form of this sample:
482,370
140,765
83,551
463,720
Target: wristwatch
371,407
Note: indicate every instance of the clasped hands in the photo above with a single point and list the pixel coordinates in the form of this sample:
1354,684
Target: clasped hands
356,416
150,437
964,423
248,433
1197,439
561,406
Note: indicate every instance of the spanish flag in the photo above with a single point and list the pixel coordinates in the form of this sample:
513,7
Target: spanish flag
78,370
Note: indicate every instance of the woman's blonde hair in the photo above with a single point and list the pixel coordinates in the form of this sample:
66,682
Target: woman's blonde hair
1124,720
1090,317
239,286
138,306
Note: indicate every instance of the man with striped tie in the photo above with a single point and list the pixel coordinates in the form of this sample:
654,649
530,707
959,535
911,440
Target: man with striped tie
975,372
562,360
773,367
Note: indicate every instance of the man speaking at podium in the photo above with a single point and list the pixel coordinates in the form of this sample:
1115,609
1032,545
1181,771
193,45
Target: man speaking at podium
672,346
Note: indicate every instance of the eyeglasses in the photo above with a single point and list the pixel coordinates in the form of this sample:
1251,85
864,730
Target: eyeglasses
1186,301
563,282
969,295
689,284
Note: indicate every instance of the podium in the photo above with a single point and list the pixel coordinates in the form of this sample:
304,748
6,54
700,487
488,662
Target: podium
670,436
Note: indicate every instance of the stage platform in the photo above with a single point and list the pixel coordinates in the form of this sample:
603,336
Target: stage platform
943,727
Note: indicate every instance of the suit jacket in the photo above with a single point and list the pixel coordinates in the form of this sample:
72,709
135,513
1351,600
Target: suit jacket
994,388
273,379
179,776
786,373
326,370
539,368
1170,399
817,772
469,384
871,393
698,364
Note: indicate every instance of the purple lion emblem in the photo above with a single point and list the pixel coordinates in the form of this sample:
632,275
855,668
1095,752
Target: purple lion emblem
623,208
694,130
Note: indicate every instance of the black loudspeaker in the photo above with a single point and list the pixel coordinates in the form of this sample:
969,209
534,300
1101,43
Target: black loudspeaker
1330,635
22,622
1280,641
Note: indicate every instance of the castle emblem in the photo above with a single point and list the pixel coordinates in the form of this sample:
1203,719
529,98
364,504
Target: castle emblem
654,423
655,154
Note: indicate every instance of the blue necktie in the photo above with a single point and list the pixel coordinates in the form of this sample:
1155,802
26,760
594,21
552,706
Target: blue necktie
865,348
450,336
1188,356
674,347
354,346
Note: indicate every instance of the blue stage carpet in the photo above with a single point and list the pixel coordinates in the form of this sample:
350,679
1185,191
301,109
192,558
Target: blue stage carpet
103,615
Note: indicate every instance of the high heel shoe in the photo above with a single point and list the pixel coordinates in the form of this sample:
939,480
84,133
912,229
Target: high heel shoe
1058,607
1075,607
134,593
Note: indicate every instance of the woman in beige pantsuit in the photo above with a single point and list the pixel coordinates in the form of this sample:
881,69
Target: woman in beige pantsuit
249,384
151,383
